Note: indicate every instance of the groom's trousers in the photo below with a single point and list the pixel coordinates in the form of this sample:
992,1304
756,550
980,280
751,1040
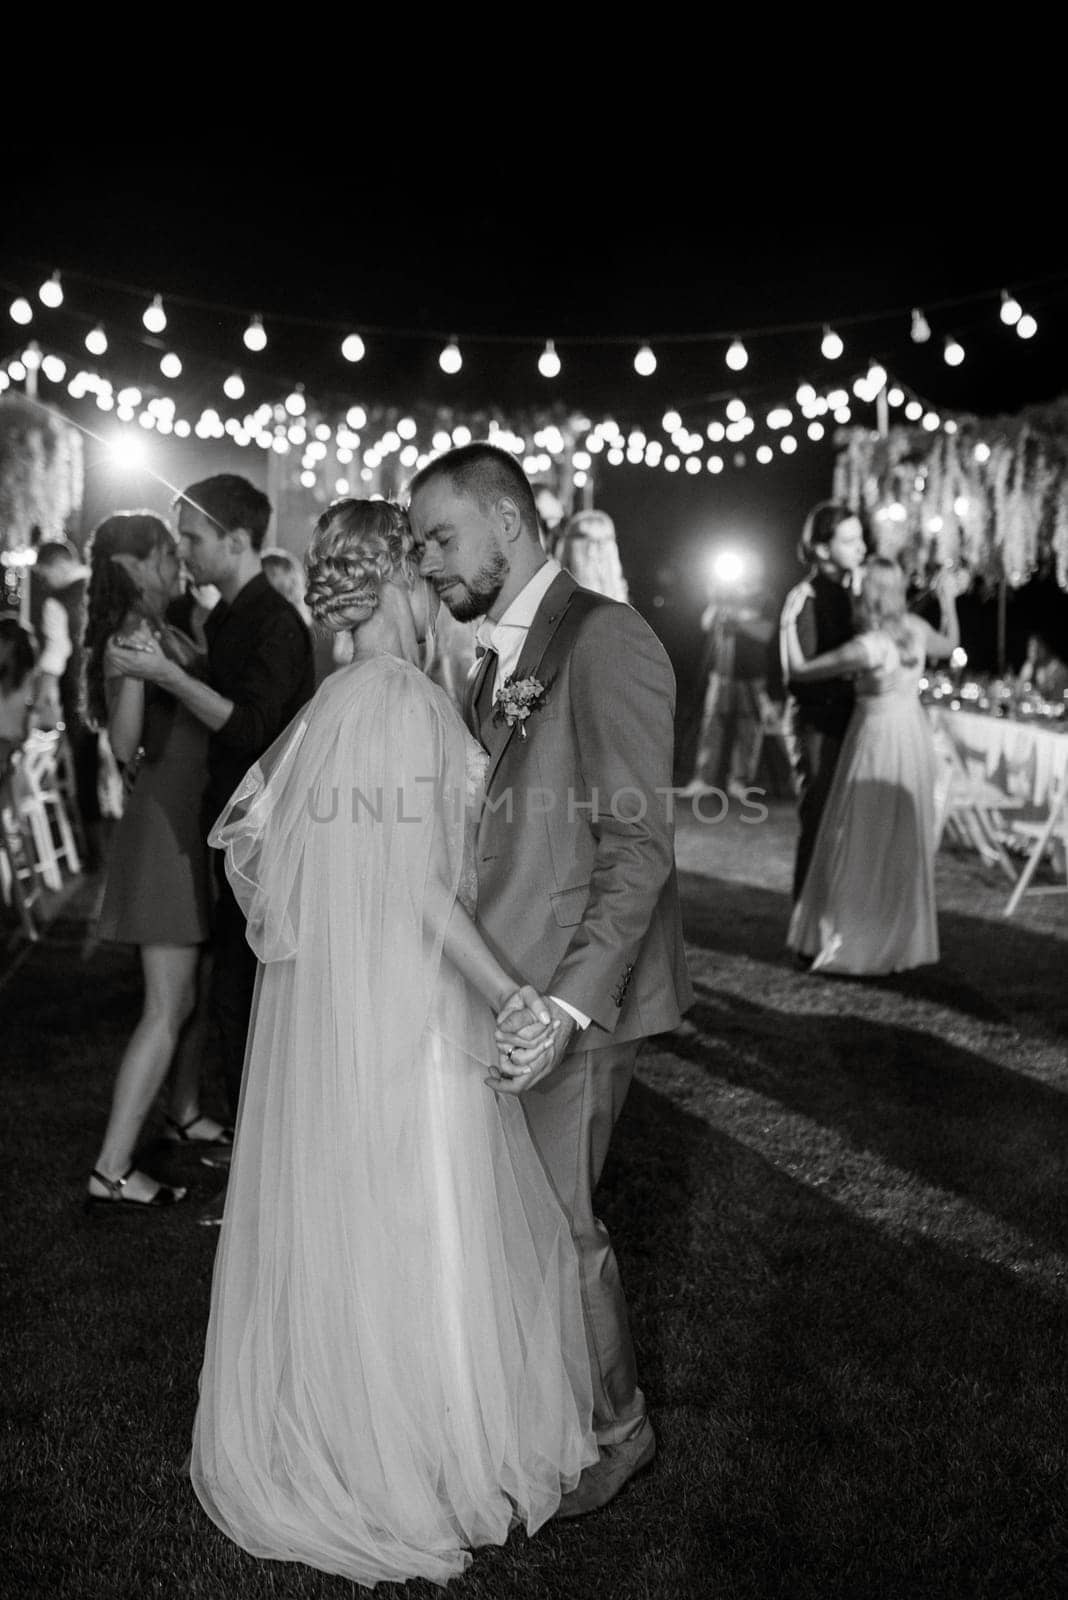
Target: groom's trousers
571,1115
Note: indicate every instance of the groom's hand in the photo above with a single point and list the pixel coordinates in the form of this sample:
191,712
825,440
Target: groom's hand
525,1063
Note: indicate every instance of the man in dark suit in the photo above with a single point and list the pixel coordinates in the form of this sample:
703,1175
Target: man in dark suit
573,698
821,605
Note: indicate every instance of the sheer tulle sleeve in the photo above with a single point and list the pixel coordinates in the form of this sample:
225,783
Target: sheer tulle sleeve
345,841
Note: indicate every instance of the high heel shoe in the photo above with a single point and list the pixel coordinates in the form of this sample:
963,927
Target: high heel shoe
165,1194
181,1132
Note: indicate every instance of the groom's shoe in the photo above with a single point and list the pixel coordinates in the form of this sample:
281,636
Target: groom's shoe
603,1481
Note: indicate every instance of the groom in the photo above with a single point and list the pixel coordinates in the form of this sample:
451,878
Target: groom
573,698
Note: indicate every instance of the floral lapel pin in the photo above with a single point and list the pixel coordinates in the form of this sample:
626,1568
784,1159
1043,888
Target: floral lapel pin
516,699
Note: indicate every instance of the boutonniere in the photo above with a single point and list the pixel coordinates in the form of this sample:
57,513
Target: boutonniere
516,699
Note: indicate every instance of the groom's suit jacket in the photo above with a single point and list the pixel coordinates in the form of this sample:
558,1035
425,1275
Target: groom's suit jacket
576,870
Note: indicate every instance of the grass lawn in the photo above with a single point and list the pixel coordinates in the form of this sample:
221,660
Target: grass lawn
840,1211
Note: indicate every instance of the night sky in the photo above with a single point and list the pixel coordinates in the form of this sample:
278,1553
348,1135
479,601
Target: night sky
543,242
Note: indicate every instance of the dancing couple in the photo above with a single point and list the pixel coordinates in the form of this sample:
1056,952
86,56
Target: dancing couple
418,1337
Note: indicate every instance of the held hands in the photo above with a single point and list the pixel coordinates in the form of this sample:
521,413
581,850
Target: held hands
532,1035
138,655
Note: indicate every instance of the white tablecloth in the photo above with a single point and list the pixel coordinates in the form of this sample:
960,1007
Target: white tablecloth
1023,758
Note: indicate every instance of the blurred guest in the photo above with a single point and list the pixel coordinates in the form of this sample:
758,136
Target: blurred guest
819,610
550,516
285,572
18,658
588,550
156,893
57,616
1043,669
737,630
259,673
867,905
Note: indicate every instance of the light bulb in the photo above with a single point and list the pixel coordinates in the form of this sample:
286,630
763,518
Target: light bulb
450,359
1011,310
155,318
54,369
295,403
234,387
737,356
549,361
353,347
51,292
96,340
356,417
645,362
255,337
1027,327
21,311
831,346
954,352
920,331
171,366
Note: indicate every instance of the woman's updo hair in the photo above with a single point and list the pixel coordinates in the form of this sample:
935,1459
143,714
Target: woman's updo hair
357,546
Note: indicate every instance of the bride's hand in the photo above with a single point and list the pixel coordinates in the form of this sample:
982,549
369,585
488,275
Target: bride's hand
524,1019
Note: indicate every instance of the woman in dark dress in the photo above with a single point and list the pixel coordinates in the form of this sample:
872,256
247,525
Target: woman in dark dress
157,890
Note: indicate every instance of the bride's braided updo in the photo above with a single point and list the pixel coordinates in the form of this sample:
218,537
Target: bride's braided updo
357,546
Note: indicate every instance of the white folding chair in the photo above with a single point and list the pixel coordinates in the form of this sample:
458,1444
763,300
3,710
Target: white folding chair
1049,835
39,802
969,809
20,884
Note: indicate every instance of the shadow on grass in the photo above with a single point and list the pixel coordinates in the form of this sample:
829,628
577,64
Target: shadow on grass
841,1412
931,1107
989,970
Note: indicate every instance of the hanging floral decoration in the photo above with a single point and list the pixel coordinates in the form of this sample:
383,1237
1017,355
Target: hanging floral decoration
986,495
41,473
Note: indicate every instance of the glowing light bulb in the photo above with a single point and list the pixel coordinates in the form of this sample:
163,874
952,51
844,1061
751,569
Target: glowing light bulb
831,345
353,347
1011,309
1027,327
155,318
806,395
356,417
450,360
954,352
549,361
736,410
234,387
255,336
54,369
51,292
737,356
21,311
765,454
645,362
96,340
295,403
920,331
171,366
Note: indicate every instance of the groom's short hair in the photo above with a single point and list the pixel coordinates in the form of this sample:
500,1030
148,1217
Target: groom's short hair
485,472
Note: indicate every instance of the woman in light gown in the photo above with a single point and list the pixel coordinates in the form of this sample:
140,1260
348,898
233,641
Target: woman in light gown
868,902
395,1367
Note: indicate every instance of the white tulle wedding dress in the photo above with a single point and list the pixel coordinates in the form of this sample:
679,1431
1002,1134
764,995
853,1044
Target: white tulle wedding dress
395,1368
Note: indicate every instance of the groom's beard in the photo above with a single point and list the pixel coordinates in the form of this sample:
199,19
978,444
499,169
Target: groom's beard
467,601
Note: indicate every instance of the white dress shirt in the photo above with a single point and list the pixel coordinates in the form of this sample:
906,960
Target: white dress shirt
508,636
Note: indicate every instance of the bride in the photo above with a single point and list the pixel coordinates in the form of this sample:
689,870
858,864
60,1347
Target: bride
395,1368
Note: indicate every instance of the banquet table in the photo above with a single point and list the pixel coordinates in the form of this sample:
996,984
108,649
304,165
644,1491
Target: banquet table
1028,760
